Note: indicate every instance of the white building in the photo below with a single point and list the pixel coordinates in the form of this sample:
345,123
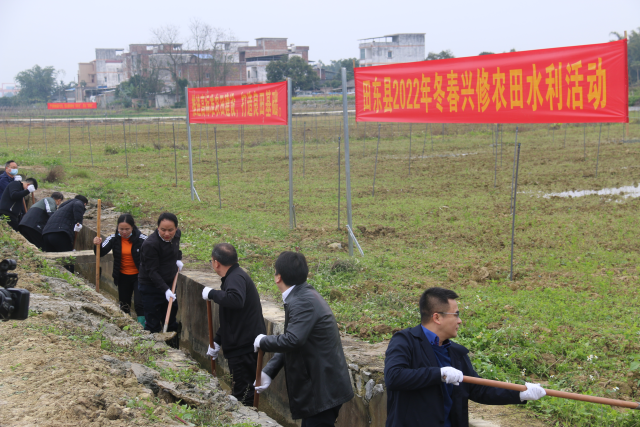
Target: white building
392,49
109,70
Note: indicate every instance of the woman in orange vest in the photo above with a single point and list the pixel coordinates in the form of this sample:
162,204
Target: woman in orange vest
125,244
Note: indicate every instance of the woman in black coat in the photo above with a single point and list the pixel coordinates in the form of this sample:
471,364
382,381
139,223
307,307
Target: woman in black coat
125,244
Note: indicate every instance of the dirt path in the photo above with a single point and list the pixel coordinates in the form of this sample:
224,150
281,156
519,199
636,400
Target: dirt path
79,361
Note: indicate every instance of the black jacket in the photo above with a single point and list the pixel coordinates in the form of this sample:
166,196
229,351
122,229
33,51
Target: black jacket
11,200
158,262
113,242
65,218
240,314
4,181
311,352
413,380
38,215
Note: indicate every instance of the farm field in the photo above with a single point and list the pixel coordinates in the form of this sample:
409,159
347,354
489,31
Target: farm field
568,320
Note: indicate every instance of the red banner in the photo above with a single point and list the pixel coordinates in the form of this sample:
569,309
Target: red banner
562,85
264,104
72,105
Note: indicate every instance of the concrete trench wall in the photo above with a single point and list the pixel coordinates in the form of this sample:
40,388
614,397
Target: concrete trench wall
367,408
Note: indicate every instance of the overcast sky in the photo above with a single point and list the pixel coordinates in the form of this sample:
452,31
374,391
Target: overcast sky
63,33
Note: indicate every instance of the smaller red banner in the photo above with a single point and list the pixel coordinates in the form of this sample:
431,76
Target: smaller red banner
264,104
72,105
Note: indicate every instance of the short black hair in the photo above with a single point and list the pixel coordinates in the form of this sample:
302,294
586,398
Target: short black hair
169,216
433,300
57,195
6,165
82,199
292,268
225,254
32,181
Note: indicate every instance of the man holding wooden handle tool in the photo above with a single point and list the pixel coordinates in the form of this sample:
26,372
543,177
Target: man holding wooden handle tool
424,370
241,320
160,261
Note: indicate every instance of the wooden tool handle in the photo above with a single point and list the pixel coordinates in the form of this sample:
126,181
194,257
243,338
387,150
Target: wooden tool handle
173,289
554,393
210,317
256,396
98,249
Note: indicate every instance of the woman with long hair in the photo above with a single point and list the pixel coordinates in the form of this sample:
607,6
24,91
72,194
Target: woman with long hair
125,244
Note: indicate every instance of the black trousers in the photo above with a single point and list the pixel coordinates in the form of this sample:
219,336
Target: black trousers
127,287
57,242
323,419
155,309
243,374
32,235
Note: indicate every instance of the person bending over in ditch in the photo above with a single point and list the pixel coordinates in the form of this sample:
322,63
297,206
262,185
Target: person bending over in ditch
160,261
423,371
37,216
125,244
240,320
58,233
310,349
12,203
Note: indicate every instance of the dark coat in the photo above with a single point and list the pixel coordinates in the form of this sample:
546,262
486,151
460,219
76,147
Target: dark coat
113,242
11,200
38,215
240,313
413,380
158,262
4,181
311,352
67,215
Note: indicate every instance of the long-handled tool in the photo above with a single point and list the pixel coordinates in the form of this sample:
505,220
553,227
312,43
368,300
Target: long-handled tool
256,396
75,235
98,249
173,290
554,393
210,317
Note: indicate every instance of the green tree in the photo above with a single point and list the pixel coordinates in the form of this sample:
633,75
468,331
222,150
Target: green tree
633,52
337,66
36,84
303,76
485,53
445,54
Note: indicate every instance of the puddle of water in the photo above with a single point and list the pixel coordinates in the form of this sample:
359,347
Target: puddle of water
629,191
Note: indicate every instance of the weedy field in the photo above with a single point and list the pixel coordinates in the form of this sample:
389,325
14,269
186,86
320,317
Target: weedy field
569,319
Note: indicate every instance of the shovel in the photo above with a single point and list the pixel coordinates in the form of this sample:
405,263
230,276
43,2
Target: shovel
166,336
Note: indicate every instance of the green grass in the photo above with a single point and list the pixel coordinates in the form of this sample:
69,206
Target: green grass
575,294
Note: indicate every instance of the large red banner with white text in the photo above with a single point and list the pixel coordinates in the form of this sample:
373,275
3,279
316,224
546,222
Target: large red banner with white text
72,106
263,104
562,85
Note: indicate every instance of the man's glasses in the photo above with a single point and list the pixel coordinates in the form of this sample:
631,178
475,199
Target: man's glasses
457,313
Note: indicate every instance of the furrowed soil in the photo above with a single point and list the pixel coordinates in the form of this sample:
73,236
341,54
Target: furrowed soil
568,320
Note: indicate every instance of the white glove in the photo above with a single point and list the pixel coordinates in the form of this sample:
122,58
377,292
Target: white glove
168,294
77,227
533,392
17,178
213,352
205,293
265,382
31,188
180,265
256,343
451,375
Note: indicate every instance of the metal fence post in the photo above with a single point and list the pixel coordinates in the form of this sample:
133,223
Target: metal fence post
513,221
289,129
215,137
186,98
347,168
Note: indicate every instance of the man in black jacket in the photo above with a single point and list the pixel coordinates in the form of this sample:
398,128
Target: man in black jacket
58,234
423,371
12,202
240,320
34,221
9,174
160,257
310,349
